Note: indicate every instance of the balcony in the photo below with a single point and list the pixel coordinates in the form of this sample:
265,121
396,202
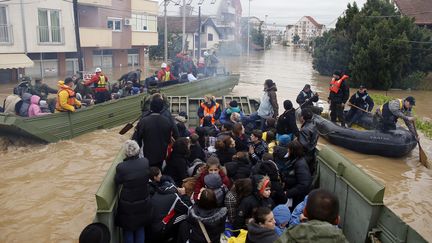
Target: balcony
140,38
96,2
147,6
95,37
6,34
50,35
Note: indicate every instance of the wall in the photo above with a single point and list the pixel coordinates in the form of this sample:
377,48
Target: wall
215,42
146,6
14,11
120,40
66,21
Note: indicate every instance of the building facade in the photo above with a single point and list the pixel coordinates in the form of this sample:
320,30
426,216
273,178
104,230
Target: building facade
37,38
307,28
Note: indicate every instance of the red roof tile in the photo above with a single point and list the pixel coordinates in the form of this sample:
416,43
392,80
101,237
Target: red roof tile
421,10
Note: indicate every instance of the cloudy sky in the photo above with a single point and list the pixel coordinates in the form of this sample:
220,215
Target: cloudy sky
284,12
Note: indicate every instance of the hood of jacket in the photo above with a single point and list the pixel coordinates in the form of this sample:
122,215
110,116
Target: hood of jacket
315,231
261,234
209,217
271,88
35,99
26,97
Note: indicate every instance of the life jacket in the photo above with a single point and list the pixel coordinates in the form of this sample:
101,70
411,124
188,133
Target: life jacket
166,76
102,81
209,112
387,114
336,84
71,98
364,104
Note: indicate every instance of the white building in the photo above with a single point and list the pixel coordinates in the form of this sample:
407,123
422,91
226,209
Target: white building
44,30
307,28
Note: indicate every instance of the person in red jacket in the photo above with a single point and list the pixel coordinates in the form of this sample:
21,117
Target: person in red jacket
212,166
100,86
164,73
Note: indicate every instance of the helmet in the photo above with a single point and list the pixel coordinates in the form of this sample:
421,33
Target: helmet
206,53
164,65
98,70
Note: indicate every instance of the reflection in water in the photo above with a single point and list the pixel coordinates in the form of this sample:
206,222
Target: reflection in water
47,191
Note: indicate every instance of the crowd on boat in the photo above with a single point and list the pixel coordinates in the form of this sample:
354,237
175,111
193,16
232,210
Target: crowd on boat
234,177
31,99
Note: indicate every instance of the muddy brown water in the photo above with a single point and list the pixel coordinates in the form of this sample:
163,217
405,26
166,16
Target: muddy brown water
47,191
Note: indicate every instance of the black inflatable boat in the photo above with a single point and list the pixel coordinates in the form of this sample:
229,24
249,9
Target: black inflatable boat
394,143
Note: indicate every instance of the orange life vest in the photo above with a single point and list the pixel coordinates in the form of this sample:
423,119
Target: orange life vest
70,101
336,84
209,112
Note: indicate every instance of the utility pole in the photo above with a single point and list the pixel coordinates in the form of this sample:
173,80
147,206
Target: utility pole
248,31
264,33
199,31
78,38
166,32
184,27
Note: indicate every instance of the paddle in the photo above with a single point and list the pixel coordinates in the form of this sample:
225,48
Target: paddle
422,155
349,104
128,126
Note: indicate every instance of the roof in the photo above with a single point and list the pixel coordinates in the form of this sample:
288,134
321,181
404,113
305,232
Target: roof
175,24
314,22
421,10
19,60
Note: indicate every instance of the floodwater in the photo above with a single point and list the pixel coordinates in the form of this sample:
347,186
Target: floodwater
47,191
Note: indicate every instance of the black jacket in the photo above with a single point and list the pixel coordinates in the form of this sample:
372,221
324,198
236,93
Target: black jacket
154,133
176,167
226,155
302,96
286,123
363,101
241,143
258,234
196,152
279,153
308,136
270,169
249,203
134,207
342,95
260,149
297,178
239,169
213,220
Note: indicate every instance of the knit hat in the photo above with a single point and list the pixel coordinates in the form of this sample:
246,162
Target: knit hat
95,233
196,164
156,105
233,103
131,148
281,214
411,100
213,181
288,105
284,140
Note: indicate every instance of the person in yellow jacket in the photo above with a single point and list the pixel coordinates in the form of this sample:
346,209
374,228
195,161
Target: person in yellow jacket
66,100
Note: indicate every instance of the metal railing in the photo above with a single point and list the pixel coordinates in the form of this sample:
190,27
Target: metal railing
6,34
50,34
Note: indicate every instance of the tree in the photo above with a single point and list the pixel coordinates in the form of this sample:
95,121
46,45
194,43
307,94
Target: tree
174,45
376,47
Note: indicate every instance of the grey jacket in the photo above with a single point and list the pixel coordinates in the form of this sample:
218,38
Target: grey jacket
308,136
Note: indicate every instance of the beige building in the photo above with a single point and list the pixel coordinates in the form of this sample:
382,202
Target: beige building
115,33
307,28
37,38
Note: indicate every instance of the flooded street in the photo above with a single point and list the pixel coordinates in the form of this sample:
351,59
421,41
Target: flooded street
47,191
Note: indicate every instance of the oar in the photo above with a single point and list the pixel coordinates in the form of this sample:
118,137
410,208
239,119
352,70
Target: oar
128,126
422,155
349,104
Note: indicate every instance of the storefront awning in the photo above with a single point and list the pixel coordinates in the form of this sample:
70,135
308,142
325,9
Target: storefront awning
15,61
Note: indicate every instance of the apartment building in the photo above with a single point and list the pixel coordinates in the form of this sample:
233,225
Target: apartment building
36,38
307,28
116,33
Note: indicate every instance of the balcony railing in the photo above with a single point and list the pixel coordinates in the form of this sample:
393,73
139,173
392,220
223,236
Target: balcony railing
6,34
50,35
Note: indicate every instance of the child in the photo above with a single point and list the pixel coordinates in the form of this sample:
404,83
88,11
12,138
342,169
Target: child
212,167
282,216
271,141
214,182
196,151
34,109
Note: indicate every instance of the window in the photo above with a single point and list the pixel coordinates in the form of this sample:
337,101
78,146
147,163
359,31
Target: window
210,37
133,60
142,22
114,24
5,28
49,27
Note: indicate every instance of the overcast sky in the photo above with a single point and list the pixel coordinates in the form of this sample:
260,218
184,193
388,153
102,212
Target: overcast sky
283,12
